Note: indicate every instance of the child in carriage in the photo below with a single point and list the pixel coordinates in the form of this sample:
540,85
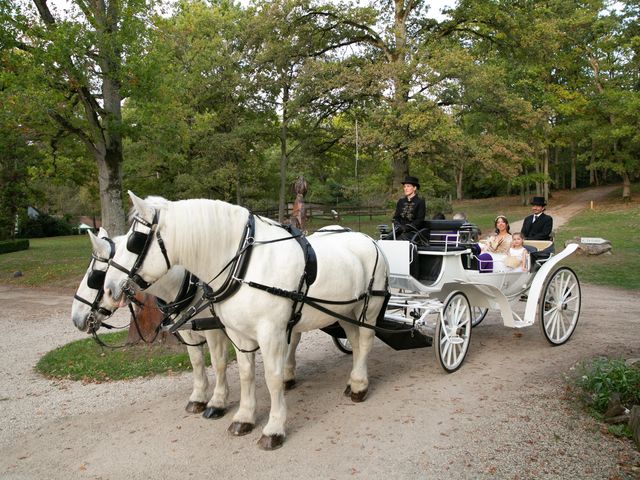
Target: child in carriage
518,258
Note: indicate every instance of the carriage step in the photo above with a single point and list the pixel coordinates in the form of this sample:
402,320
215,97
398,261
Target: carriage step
521,324
401,339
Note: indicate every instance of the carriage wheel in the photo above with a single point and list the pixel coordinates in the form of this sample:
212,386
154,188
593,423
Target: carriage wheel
343,345
477,315
559,306
453,332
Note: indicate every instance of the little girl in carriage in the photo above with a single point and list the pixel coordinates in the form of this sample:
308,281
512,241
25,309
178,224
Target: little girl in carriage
518,258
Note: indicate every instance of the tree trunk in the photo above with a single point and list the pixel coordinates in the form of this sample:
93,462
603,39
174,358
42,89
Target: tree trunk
401,87
538,184
626,187
283,154
110,182
573,166
459,176
545,171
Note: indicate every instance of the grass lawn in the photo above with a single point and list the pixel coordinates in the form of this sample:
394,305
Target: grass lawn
87,361
57,262
614,221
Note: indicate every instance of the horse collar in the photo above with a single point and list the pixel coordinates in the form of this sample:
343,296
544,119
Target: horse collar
237,266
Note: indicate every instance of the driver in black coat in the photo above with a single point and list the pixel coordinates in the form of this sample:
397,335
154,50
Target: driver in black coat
410,210
538,225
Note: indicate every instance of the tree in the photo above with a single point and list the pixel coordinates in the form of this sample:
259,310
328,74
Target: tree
80,67
199,131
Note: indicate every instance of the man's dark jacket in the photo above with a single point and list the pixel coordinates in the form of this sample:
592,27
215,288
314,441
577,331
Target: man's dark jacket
538,230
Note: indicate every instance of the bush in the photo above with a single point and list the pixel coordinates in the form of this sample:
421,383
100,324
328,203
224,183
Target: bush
45,226
438,205
7,246
602,377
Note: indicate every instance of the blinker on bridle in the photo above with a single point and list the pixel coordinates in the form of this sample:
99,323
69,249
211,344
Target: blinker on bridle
95,281
139,243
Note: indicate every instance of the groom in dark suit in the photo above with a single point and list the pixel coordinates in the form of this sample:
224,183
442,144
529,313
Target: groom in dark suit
538,225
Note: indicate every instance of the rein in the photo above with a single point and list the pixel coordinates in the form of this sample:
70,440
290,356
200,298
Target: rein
139,243
236,268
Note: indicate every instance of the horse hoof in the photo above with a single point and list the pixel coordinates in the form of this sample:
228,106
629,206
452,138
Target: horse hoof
271,442
240,428
289,384
347,391
214,412
195,407
358,397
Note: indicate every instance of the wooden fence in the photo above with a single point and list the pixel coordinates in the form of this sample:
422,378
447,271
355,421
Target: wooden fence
328,212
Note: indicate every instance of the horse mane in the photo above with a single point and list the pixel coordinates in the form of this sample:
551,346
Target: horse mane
216,221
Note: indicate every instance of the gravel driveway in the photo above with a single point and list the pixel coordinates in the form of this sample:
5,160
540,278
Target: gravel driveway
502,415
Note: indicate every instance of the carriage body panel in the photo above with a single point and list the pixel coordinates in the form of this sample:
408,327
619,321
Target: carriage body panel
437,271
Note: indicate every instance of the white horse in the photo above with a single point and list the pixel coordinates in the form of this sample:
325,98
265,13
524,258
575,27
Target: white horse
206,236
88,311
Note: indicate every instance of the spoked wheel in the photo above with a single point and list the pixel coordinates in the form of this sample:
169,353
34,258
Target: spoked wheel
453,332
343,345
559,306
477,315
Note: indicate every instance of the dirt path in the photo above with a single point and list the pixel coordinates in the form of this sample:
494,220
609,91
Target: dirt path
502,415
562,212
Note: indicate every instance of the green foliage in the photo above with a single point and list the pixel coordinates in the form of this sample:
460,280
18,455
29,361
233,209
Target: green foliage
602,377
45,226
233,102
8,246
87,361
438,205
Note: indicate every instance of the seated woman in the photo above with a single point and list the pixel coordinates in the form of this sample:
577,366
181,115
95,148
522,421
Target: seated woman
496,248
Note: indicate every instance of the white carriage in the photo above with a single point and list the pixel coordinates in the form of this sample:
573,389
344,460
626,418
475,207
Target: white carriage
439,292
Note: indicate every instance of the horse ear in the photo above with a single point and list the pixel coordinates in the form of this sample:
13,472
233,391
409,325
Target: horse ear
141,207
101,247
102,233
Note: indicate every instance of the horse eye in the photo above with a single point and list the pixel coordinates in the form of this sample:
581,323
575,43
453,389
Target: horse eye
136,242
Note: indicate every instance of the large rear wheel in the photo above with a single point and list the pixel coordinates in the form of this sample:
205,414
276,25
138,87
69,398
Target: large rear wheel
453,332
559,306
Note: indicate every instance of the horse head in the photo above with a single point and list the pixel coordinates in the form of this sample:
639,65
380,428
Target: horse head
141,258
86,310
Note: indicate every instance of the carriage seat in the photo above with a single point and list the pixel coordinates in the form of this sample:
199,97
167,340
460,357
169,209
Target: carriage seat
447,234
538,245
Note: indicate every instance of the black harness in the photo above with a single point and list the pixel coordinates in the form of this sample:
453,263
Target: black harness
139,243
95,281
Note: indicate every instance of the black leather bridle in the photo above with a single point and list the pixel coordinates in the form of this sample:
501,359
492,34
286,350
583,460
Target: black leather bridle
139,243
95,281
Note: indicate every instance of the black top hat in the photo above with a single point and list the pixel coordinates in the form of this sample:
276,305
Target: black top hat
538,201
412,181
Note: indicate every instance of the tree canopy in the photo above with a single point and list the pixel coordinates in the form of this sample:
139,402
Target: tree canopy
217,99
